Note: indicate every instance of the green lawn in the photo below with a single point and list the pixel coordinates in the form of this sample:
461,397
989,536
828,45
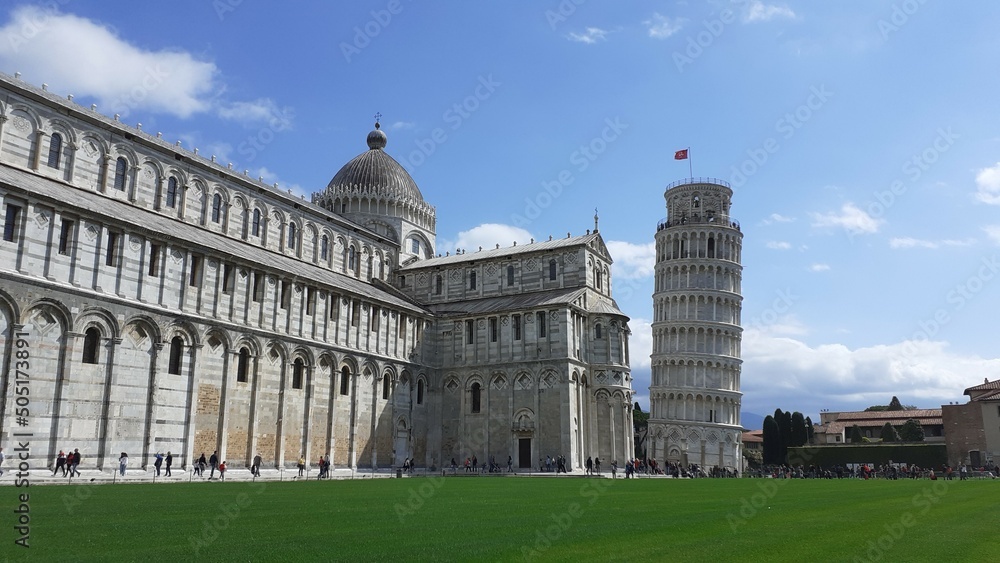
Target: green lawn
489,519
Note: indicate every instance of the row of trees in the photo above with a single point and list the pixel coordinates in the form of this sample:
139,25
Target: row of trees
782,431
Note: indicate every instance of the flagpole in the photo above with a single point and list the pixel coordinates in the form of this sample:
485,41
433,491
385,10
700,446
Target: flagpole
690,166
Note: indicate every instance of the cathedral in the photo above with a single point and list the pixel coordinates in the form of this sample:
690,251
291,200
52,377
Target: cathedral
154,300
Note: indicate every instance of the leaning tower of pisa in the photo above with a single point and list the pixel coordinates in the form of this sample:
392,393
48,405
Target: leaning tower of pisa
695,385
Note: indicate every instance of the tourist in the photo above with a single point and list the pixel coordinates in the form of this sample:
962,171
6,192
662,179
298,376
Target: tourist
74,467
214,463
963,472
122,463
255,468
590,465
2,457
159,462
302,466
199,466
597,465
169,460
222,471
614,469
60,463
510,464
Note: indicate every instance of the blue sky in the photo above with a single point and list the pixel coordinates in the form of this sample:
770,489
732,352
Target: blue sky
861,138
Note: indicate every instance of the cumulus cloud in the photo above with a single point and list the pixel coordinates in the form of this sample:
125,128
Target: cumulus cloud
47,46
851,218
590,36
487,235
993,232
787,373
661,27
776,218
988,185
910,242
819,267
758,11
779,245
402,125
632,261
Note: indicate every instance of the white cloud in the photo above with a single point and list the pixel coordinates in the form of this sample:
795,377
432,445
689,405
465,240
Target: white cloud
758,11
661,27
851,218
590,36
783,325
993,232
271,178
48,46
779,245
988,185
487,235
632,261
787,373
262,110
910,242
819,267
777,218
640,345
400,125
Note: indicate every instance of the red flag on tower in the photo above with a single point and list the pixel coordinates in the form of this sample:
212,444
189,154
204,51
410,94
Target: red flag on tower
681,155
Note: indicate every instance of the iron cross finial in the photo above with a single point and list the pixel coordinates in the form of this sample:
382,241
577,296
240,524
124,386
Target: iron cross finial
378,117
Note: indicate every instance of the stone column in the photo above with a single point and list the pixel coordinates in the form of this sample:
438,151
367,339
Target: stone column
37,157
154,377
223,433
103,176
3,120
310,389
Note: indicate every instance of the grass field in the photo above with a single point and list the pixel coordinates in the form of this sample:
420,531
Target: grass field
491,519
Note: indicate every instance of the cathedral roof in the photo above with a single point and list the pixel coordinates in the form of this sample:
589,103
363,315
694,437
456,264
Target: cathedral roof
374,173
592,239
534,299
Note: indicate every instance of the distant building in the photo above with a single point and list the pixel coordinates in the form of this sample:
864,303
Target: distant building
835,427
973,429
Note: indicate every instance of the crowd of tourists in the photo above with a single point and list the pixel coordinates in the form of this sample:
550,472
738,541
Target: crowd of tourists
890,472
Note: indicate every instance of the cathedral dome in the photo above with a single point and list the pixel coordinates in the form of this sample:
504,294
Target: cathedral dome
374,174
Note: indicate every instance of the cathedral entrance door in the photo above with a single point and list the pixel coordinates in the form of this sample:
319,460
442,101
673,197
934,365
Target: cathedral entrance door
524,453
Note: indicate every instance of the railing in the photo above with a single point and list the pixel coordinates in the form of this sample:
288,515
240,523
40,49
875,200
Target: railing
704,180
698,220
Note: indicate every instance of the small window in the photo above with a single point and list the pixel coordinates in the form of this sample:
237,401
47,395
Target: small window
10,223
91,342
334,307
345,381
291,236
255,230
324,248
355,313
597,331
258,286
437,284
297,370
65,236
510,275
373,319
472,280
243,366
286,294
217,208
476,397
552,270
111,256
597,277
228,279
154,259
55,150
515,321
415,246
401,327
540,317
420,392
470,331
176,355
493,329
194,278
385,387
171,192
310,301
352,260
121,170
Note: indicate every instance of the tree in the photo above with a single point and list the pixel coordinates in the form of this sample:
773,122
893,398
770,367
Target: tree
772,441
856,435
640,425
889,433
799,433
810,431
894,405
911,431
754,457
